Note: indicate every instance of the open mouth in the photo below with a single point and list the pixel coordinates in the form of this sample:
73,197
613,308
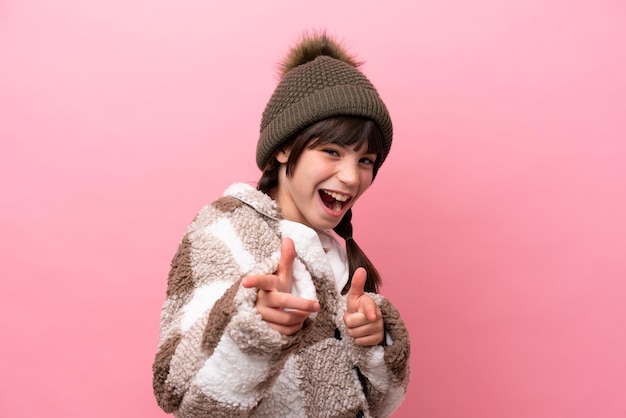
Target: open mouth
333,200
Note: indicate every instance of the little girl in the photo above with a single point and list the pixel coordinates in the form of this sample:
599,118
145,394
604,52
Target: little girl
267,314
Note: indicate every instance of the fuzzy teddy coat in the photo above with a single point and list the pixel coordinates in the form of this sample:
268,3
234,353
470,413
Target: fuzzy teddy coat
217,358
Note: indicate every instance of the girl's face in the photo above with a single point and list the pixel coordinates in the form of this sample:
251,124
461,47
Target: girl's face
326,181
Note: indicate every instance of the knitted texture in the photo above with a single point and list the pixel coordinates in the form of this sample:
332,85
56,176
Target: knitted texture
316,90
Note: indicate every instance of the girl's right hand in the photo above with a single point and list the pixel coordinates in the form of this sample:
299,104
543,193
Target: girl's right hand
281,310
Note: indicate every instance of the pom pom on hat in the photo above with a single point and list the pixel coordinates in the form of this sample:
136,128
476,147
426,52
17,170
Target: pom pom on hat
313,46
319,80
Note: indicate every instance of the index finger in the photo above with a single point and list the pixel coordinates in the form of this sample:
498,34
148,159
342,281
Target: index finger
368,307
267,282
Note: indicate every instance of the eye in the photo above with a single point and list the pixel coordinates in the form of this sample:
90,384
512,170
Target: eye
368,160
331,152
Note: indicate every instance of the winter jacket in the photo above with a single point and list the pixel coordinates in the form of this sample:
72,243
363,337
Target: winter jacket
217,358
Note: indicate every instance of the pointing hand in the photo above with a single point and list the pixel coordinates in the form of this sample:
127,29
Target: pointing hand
281,310
363,317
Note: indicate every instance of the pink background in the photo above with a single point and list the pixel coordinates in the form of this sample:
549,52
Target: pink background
497,221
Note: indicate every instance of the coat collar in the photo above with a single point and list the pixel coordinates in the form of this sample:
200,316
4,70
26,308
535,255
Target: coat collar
306,240
258,200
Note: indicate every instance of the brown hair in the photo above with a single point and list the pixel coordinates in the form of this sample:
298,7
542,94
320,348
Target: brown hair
342,130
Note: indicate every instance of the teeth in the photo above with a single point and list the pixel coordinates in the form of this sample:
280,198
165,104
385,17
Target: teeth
338,196
338,205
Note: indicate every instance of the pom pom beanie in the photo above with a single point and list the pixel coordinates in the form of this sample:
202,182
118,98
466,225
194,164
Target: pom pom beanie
319,80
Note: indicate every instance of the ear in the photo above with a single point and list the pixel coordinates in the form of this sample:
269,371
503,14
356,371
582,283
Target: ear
282,155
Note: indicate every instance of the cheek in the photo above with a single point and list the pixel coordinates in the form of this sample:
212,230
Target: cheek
367,179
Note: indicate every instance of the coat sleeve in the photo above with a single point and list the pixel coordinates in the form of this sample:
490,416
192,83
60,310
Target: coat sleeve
383,369
216,356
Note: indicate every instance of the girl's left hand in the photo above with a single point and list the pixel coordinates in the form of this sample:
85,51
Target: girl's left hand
363,317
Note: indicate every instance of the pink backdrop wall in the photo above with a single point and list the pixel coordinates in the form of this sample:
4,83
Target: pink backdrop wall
498,220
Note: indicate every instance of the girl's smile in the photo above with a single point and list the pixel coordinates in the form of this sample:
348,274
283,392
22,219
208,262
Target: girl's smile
326,181
334,201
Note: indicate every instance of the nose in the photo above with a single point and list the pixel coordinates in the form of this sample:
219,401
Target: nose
348,173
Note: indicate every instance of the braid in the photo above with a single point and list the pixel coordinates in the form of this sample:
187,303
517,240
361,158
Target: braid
356,256
269,177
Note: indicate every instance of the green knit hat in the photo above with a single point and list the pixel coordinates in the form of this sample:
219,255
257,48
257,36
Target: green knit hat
319,80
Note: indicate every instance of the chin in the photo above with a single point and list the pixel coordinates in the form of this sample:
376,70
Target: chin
326,225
